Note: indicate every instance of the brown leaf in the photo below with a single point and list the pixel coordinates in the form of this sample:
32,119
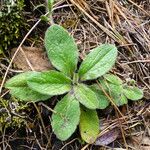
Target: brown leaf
108,137
35,56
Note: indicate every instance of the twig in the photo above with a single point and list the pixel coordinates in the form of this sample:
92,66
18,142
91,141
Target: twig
137,61
122,131
43,126
86,146
47,107
68,143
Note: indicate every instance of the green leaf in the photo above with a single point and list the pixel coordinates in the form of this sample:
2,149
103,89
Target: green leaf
133,93
66,118
89,125
114,91
113,79
98,62
61,48
103,100
50,83
86,96
19,88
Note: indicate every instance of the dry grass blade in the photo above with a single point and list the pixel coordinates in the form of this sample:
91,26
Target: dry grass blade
111,34
139,7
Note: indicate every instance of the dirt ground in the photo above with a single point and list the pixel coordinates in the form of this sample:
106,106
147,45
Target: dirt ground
125,23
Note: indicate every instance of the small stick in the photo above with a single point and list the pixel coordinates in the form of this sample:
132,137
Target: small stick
41,103
68,143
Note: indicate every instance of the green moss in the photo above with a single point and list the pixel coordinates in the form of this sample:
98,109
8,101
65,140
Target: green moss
12,113
11,22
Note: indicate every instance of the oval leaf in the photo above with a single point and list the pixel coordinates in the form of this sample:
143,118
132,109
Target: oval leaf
19,88
50,83
114,91
89,125
66,118
98,62
103,100
133,93
86,96
113,79
61,49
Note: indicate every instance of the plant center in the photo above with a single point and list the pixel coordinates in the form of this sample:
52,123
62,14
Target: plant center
75,78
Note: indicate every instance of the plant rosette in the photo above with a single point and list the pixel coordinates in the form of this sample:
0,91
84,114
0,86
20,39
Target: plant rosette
78,106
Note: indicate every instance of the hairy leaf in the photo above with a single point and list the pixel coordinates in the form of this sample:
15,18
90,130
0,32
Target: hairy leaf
133,93
114,91
86,96
19,88
89,125
103,100
113,79
66,118
98,62
61,49
50,83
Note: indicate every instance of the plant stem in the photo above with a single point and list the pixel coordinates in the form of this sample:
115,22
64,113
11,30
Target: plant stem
49,6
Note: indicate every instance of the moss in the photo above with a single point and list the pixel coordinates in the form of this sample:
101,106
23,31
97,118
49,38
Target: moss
12,113
11,22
